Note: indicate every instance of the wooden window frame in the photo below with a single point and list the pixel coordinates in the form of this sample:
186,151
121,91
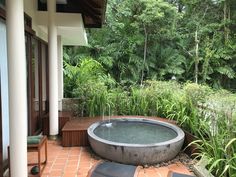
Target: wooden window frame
2,13
1,145
31,84
27,20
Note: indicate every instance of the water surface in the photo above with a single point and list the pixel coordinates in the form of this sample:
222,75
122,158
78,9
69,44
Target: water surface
134,132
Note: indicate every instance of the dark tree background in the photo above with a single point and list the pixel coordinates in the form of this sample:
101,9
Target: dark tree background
186,40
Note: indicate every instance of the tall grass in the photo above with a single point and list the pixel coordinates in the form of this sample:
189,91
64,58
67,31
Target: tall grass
215,129
219,147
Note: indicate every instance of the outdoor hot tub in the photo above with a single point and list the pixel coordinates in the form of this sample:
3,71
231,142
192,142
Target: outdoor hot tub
135,141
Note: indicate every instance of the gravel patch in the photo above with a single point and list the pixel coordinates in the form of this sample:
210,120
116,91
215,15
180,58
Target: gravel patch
181,157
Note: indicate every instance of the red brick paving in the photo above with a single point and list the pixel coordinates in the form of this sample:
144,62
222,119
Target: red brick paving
77,161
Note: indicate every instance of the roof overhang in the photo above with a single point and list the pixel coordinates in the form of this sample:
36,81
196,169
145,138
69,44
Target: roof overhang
71,18
93,11
69,26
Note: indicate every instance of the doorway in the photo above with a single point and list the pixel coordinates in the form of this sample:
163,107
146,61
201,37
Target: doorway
37,82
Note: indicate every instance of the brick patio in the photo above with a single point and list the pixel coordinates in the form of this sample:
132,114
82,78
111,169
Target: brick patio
77,161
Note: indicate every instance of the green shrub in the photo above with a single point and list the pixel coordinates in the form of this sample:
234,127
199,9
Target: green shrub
196,93
89,83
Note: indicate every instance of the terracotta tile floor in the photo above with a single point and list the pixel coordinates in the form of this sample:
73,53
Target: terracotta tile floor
77,161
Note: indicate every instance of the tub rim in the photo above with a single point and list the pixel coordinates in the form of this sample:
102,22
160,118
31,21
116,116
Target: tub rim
180,133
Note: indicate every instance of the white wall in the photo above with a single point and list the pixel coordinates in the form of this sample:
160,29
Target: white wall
70,26
30,8
4,88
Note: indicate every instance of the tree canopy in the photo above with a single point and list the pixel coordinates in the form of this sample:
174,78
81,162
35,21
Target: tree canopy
186,40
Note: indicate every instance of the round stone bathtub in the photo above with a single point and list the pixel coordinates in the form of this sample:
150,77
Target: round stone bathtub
135,141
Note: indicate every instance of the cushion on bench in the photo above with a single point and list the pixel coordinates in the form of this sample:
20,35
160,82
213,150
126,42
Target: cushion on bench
34,139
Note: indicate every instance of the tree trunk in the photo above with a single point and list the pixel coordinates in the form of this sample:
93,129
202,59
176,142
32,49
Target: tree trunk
226,17
196,56
197,48
144,54
229,18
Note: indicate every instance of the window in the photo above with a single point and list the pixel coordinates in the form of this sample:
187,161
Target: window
4,90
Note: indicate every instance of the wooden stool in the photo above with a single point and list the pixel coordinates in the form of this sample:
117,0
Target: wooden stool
35,148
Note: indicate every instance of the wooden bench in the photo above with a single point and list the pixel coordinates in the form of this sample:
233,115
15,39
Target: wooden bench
74,133
35,148
63,116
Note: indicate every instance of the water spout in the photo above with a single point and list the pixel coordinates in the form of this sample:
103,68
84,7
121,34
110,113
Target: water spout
108,125
109,112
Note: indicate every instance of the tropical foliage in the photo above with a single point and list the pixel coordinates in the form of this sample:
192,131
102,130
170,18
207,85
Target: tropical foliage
206,113
190,40
167,58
